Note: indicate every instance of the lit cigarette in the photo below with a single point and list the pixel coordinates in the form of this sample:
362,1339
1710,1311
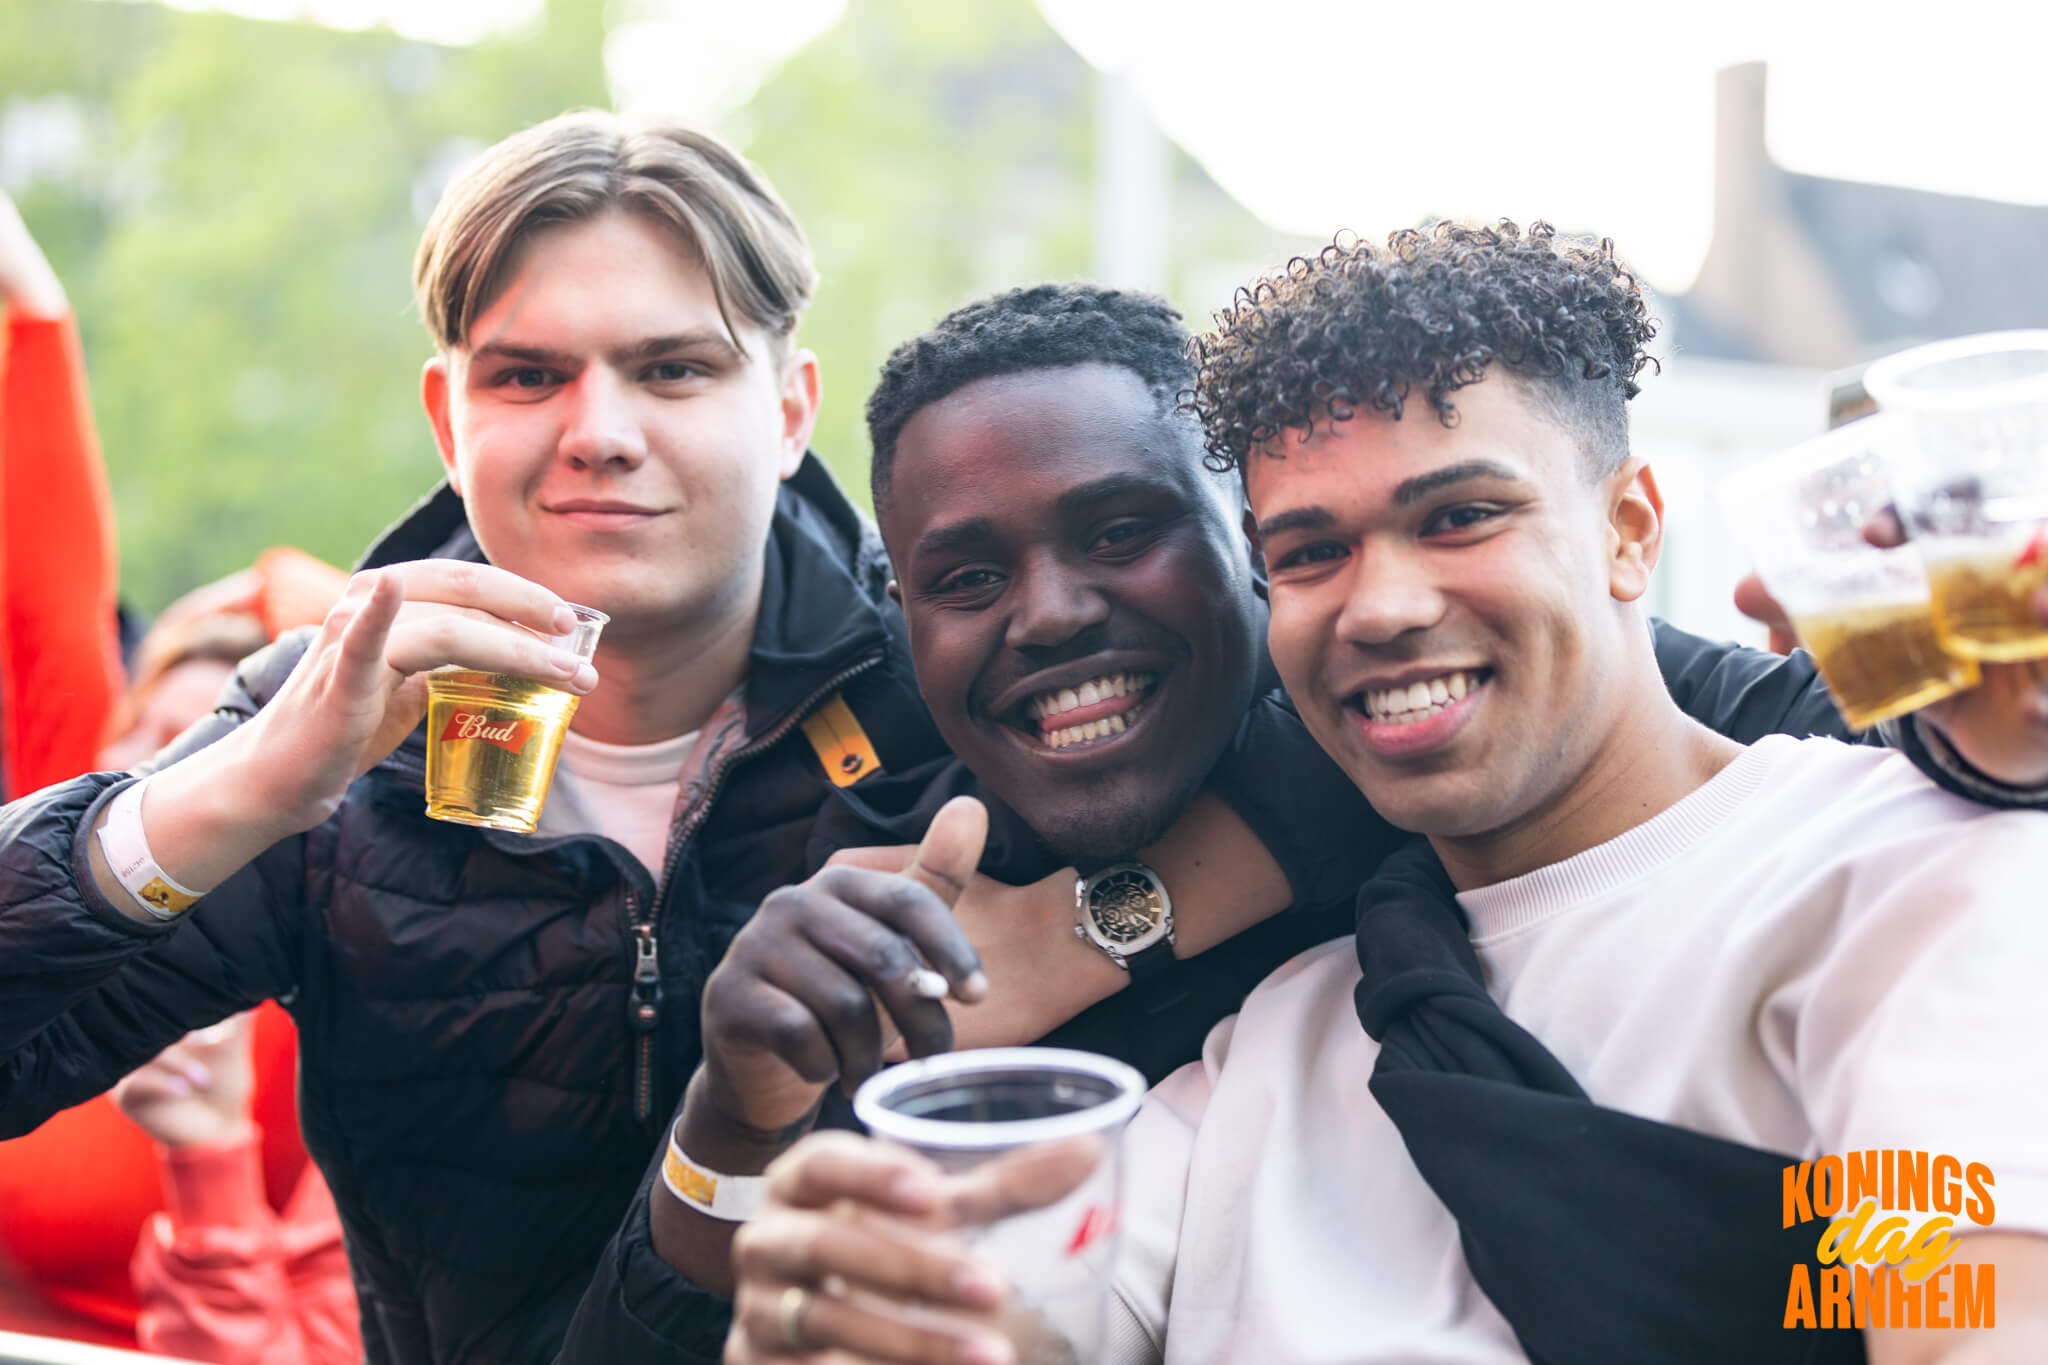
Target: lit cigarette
927,984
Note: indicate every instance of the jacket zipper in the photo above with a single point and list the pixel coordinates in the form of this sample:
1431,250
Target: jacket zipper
643,1007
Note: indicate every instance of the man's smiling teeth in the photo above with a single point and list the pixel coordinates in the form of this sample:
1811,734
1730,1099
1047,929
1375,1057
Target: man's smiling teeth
1094,729
1418,701
1087,694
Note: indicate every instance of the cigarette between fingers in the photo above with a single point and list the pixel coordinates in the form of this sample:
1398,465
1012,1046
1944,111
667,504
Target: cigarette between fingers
927,984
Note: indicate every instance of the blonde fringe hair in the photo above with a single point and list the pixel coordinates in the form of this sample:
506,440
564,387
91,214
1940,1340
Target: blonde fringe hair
573,168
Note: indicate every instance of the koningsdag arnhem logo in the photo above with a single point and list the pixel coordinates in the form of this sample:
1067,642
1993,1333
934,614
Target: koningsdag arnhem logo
1884,1255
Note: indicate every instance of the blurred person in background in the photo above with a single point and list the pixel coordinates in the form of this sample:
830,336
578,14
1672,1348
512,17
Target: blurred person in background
221,1275
234,1249
191,649
60,659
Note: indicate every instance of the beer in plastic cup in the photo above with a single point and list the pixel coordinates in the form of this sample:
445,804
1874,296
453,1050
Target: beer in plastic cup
1970,462
1863,612
492,739
964,1108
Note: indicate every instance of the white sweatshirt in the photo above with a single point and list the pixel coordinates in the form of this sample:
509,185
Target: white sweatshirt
1816,952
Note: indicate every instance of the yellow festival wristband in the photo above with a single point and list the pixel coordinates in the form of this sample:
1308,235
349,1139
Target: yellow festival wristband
733,1198
127,850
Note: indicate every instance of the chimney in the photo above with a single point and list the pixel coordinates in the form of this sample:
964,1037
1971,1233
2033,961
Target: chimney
1741,162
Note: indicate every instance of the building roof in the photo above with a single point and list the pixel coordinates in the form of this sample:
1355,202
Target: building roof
1910,265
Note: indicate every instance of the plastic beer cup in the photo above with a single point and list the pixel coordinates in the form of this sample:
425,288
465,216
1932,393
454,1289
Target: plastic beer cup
1864,613
1969,459
964,1108
492,739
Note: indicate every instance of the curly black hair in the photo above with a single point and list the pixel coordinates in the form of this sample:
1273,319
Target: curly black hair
1364,327
1044,326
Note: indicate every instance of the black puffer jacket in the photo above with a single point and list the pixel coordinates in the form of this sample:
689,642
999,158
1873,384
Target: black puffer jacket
474,1084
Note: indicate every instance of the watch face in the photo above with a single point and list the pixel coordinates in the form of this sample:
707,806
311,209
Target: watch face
1125,907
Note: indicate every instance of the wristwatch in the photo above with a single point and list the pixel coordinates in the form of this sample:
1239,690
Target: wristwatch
1124,911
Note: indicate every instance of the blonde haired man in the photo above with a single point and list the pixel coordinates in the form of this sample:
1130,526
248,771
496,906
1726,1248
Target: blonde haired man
495,1026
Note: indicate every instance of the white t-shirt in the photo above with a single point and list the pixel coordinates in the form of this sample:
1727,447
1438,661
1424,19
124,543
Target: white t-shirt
626,792
1816,952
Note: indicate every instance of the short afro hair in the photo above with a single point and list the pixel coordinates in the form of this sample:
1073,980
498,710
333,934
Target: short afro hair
1044,326
1366,327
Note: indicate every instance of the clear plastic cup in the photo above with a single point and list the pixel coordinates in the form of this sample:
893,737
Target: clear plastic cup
492,738
1865,613
1969,460
964,1108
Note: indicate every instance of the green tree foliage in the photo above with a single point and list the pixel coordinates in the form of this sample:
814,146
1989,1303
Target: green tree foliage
933,153
237,241
237,234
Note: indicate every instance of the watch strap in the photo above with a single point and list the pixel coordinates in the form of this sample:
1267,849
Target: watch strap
1147,964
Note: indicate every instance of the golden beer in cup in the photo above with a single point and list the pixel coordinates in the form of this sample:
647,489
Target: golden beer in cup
1983,599
1969,457
1864,613
492,739
1882,659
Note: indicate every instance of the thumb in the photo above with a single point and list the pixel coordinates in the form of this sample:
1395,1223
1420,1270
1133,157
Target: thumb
878,858
951,850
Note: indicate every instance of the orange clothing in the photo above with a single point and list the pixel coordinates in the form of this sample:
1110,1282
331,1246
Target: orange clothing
60,658
223,1279
75,1196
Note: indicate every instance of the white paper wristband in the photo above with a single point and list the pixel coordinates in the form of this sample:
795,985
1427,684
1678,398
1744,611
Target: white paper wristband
127,850
733,1198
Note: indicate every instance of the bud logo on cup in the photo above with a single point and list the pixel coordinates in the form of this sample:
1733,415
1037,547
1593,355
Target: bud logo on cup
1096,1224
2036,547
509,735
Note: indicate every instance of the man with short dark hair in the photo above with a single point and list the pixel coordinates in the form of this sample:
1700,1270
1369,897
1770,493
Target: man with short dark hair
1800,948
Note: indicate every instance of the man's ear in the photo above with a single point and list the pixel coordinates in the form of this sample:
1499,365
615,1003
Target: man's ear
1260,588
800,393
1635,529
434,384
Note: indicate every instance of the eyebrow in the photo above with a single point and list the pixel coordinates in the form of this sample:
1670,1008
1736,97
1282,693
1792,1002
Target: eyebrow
1422,485
1080,496
1297,519
645,349
961,535
1406,492
975,532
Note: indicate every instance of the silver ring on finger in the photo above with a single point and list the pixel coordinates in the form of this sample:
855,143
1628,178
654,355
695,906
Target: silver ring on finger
796,1301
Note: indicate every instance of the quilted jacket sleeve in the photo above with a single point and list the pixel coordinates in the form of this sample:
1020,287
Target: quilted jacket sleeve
87,994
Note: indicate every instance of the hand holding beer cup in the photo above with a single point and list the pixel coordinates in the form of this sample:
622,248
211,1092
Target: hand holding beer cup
983,1227
361,686
856,1249
1862,610
1969,458
1999,725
